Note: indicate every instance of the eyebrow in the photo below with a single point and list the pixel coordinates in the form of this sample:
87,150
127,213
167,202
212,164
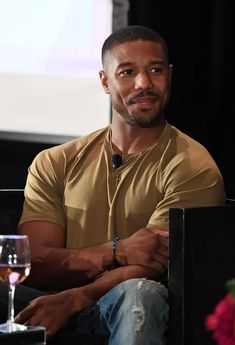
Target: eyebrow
129,63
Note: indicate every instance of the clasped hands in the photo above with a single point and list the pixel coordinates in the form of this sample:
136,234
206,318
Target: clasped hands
146,248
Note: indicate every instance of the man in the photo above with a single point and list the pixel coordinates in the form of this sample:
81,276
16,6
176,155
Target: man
96,208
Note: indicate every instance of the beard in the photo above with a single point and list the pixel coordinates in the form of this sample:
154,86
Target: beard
141,121
138,120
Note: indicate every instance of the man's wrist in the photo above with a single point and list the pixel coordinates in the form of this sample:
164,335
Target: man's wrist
120,255
115,263
114,246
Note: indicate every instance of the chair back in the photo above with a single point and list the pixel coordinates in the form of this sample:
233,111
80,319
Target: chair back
201,260
11,205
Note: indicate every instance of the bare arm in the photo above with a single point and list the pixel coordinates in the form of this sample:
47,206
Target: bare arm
55,267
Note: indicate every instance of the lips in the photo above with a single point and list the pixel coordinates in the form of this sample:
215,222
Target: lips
145,100
147,97
145,103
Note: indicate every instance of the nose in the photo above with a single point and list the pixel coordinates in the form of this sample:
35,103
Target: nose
143,81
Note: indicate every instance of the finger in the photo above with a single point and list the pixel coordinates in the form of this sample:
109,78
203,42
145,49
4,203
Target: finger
161,263
24,315
163,251
164,242
35,320
162,232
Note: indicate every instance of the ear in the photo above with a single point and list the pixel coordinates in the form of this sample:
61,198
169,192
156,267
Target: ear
170,72
104,81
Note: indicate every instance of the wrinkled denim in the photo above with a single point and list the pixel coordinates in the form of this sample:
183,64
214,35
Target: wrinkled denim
134,312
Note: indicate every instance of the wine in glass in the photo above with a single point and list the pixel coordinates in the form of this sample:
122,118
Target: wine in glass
14,268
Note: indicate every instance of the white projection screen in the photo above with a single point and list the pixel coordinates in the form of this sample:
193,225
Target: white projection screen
49,64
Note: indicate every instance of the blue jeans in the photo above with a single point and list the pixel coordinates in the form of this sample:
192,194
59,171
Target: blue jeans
134,312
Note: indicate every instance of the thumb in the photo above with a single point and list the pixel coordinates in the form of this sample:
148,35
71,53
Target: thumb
161,232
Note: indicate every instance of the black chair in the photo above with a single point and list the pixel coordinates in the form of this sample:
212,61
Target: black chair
11,205
201,260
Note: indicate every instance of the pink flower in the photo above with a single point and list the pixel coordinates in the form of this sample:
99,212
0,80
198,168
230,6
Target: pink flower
222,321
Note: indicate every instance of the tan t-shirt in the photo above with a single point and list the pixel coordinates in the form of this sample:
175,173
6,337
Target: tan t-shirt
75,186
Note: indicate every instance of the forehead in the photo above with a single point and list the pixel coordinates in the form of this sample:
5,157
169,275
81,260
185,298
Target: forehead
135,52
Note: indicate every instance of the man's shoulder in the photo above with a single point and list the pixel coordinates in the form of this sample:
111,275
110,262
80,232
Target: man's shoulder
72,149
185,152
83,140
184,142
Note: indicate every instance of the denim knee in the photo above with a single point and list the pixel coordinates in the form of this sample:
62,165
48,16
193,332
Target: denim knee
139,297
135,312
145,297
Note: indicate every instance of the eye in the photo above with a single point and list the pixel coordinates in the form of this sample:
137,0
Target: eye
126,72
156,69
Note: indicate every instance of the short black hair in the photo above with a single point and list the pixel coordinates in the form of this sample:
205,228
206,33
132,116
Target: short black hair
132,33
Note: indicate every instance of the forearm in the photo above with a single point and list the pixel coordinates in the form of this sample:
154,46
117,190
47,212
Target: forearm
68,267
57,268
88,294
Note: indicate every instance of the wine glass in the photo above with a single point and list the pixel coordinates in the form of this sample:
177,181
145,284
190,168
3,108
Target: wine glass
14,268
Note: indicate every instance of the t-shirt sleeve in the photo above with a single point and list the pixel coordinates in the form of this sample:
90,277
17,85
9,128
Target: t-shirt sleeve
44,190
188,182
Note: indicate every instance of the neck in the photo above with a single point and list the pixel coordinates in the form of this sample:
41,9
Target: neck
130,139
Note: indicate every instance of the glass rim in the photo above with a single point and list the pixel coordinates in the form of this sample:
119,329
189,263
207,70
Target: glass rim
13,236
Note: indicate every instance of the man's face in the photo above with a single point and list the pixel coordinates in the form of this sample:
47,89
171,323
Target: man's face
137,76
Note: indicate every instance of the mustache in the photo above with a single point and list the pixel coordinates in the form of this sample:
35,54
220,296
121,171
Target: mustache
132,99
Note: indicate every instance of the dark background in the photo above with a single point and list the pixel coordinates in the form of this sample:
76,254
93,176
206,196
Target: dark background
200,37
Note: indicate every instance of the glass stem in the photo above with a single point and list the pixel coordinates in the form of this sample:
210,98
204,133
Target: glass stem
11,293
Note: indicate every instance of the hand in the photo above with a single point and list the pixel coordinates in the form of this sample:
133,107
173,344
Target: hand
146,247
51,312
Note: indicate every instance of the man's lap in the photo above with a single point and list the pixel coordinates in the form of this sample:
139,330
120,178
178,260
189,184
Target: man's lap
92,320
